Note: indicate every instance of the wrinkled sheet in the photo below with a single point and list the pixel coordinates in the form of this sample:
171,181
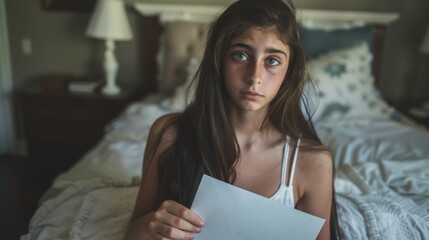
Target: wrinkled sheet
356,141
384,200
368,206
382,180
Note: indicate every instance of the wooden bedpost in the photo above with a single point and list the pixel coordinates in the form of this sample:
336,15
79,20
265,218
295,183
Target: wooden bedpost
378,42
150,33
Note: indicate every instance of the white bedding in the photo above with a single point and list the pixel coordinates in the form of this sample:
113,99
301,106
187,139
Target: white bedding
374,139
384,200
382,180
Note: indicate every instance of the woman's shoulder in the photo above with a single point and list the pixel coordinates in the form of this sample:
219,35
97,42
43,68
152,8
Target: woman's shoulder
166,124
315,157
315,165
164,129
162,135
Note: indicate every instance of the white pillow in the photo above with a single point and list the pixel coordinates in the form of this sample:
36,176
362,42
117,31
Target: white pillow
182,97
179,42
345,85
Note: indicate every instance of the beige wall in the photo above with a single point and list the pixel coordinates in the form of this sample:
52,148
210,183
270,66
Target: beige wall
59,43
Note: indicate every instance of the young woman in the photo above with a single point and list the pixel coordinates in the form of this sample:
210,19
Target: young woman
245,126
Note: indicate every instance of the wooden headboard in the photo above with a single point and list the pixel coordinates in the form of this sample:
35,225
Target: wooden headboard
155,13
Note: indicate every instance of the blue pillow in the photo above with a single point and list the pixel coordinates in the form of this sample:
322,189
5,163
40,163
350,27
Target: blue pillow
317,42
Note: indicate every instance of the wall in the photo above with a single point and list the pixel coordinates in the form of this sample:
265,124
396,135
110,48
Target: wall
59,43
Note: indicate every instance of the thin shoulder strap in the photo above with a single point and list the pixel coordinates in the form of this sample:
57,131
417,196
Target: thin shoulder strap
295,159
284,161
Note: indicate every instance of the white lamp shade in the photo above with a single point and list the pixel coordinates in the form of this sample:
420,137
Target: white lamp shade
109,21
424,48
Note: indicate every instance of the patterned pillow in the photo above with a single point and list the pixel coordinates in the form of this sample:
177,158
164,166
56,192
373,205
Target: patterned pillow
345,86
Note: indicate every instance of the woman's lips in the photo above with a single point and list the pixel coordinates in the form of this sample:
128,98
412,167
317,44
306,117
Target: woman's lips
252,95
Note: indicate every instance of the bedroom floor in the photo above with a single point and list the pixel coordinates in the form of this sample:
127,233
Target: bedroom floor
20,189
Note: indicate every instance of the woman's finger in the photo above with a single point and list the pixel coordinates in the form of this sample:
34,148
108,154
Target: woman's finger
170,232
167,218
182,212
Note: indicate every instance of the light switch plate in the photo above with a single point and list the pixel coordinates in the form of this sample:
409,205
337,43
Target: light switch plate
26,46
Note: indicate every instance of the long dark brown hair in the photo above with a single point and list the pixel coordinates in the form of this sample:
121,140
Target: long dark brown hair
205,141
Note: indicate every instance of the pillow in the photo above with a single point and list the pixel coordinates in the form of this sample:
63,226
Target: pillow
179,42
345,85
320,41
183,94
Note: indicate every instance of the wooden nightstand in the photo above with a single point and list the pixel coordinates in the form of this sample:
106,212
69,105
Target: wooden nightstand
60,127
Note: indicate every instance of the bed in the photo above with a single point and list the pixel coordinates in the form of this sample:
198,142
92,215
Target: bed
381,156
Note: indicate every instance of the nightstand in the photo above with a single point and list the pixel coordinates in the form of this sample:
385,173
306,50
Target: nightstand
61,126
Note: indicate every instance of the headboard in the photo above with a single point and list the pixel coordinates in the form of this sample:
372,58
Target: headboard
155,15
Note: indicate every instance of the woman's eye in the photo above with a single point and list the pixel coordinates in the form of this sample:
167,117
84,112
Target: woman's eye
239,56
272,62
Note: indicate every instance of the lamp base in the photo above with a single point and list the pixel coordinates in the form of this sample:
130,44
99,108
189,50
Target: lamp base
111,90
111,68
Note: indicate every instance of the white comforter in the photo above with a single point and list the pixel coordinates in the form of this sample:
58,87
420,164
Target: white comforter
382,180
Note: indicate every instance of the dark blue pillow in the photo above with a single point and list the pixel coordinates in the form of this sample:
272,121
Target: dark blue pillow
317,42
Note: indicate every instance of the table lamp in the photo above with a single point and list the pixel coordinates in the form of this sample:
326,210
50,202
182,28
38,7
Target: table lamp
109,22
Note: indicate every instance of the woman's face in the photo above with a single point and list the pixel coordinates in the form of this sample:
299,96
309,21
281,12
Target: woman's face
255,64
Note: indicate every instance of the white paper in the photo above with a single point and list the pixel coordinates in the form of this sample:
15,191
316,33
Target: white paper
232,213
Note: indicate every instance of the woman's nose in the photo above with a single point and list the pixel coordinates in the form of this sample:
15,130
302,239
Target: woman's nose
255,73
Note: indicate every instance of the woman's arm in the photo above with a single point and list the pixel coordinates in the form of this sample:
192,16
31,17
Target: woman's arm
171,220
318,186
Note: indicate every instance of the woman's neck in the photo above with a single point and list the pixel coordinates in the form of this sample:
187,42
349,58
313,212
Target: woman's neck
250,131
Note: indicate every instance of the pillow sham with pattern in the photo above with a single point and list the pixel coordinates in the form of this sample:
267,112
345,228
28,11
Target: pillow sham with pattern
345,85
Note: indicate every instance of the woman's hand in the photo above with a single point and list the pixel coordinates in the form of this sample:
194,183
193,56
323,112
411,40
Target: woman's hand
171,220
174,221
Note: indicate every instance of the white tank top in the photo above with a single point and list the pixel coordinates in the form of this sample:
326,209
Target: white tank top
284,194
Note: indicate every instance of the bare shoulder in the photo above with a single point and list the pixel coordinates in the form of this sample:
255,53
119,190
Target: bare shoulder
165,127
315,185
314,176
162,134
315,163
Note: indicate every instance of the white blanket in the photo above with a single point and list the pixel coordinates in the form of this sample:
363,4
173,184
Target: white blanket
377,139
382,180
367,209
85,210
384,200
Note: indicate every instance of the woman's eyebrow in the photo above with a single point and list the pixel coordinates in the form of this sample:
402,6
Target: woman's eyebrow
274,50
267,50
241,45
